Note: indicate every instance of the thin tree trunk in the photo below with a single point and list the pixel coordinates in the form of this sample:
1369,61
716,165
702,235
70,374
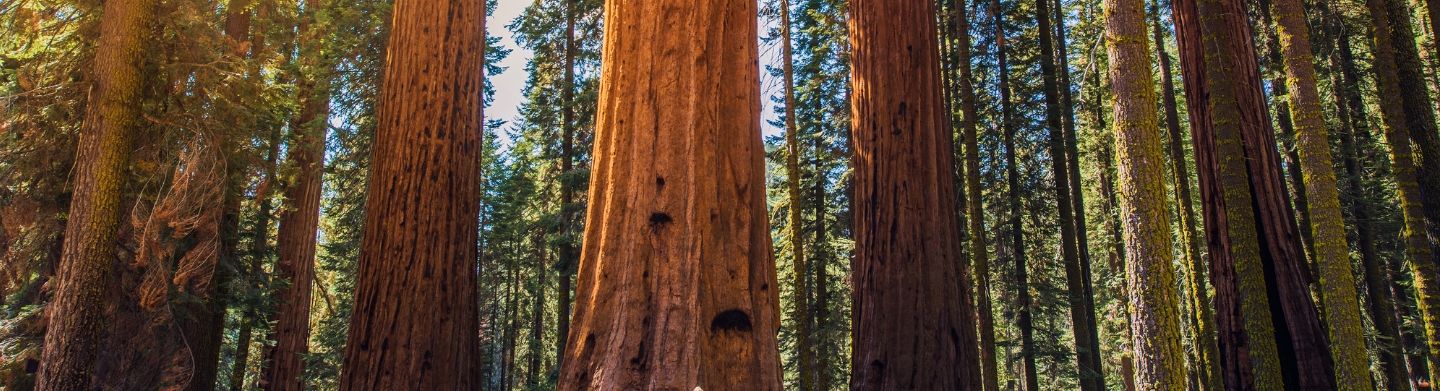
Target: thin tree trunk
677,285
259,246
1402,164
299,220
1077,194
414,325
1337,281
112,118
1201,317
1074,274
1022,287
821,279
979,250
1150,272
795,228
567,190
912,305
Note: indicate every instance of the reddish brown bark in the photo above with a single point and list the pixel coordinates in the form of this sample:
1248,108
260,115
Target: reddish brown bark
677,286
415,326
912,311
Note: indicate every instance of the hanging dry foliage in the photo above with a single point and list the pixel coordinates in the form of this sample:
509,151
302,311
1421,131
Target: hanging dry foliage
192,207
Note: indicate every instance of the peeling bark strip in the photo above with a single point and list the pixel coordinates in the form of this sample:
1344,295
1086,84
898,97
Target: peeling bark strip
677,286
912,317
106,139
1150,272
414,326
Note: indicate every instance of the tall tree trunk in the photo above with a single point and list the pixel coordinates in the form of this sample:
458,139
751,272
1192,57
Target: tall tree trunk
677,284
299,221
1352,117
414,325
1201,317
795,228
1090,378
1237,271
1022,275
1337,281
1150,272
112,119
1077,194
912,304
259,246
979,250
567,189
821,281
1419,117
1402,164
537,310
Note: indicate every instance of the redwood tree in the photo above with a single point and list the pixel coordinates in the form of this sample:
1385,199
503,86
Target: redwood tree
912,314
677,286
414,324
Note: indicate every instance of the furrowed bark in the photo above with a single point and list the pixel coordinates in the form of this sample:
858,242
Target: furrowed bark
1154,309
112,118
677,286
414,326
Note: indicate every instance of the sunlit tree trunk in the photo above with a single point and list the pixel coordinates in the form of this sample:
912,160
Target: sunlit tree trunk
1201,316
677,286
1150,274
1332,253
912,308
414,324
112,118
299,221
567,188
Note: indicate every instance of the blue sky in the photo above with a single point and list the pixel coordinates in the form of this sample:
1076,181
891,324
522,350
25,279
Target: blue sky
510,84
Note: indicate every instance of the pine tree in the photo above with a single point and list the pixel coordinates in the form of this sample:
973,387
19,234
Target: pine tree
1154,320
77,318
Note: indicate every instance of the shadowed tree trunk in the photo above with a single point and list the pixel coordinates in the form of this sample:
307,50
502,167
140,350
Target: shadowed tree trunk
1089,377
1332,253
112,118
800,318
1017,233
414,326
1246,334
677,286
1350,110
1201,317
1154,302
1393,113
912,308
979,250
567,190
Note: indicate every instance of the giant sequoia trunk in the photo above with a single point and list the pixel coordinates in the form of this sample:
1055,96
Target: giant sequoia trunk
76,319
1332,254
677,286
299,219
1197,53
912,312
414,324
1150,273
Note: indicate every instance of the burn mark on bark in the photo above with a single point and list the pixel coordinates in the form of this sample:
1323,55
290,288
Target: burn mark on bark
732,320
658,219
660,182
